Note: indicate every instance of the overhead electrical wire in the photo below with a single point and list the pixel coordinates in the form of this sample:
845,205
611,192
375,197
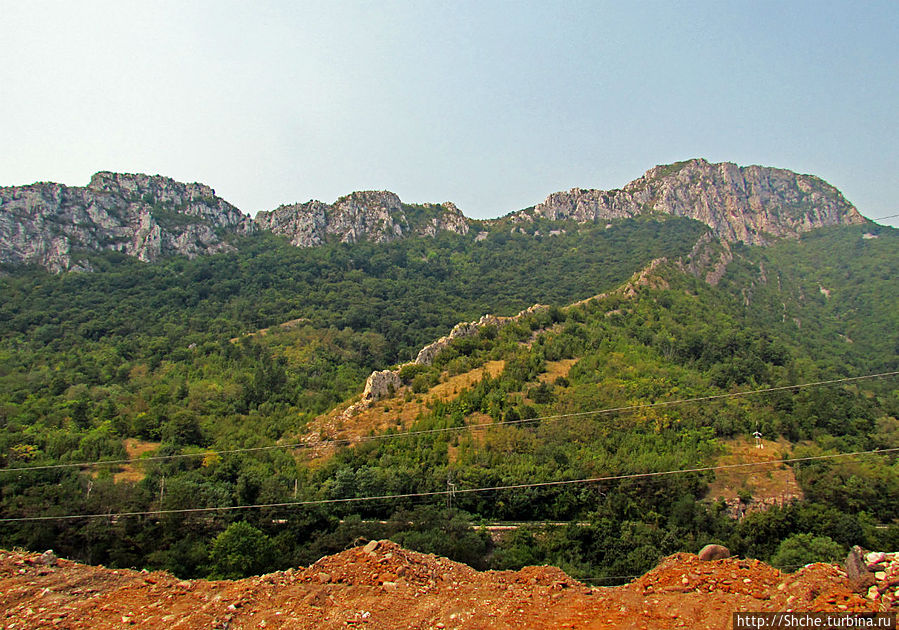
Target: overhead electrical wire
454,491
466,427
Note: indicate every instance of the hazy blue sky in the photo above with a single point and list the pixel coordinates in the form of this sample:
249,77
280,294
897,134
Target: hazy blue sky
492,105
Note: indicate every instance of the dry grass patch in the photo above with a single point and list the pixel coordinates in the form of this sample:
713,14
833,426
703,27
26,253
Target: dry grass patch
262,332
389,413
556,369
135,448
775,482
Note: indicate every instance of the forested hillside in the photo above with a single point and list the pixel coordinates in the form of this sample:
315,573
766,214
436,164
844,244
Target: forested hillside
136,333
170,360
834,292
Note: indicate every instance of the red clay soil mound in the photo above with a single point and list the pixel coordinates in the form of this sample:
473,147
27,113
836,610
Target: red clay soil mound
385,586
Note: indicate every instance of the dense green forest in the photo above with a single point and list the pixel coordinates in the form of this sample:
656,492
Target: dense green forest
161,353
834,293
138,344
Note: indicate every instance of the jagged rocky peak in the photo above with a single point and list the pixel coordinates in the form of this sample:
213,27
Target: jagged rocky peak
752,204
373,215
370,201
145,216
193,199
138,184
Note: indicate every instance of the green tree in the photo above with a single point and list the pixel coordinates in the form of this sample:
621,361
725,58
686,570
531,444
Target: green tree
241,551
800,549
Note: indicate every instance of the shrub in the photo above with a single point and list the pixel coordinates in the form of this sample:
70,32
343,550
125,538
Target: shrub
801,549
241,551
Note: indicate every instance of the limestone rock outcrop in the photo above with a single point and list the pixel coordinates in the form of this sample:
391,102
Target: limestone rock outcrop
709,259
140,215
381,384
752,204
463,329
377,216
153,216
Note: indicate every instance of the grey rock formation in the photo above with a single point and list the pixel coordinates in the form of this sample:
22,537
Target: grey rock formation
709,259
153,216
386,382
752,204
48,558
377,216
857,570
139,215
466,329
463,329
381,384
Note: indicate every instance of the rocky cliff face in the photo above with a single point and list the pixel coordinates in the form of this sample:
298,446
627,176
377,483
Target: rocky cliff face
752,204
377,216
139,215
152,216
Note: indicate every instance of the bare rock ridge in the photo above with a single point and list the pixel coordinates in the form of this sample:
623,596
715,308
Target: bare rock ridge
140,215
752,204
153,216
377,216
384,383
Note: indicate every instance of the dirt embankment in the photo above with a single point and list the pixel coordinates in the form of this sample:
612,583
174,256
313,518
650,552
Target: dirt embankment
385,586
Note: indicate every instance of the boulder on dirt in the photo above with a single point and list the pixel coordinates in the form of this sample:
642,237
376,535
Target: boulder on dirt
48,558
713,552
372,546
875,558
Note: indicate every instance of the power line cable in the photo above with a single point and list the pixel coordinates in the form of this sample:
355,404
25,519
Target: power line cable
467,427
436,493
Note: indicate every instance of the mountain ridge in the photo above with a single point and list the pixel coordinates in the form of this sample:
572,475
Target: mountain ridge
143,216
150,217
378,216
751,204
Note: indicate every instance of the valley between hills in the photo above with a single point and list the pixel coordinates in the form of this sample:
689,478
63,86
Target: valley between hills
602,382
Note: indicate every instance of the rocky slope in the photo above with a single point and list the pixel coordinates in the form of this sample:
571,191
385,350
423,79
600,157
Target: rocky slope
377,216
384,383
140,215
153,216
751,204
382,585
